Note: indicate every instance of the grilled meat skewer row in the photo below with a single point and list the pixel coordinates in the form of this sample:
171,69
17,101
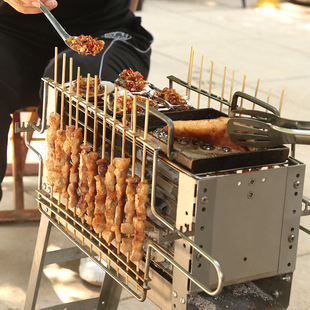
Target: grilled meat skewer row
67,164
76,140
127,227
59,161
101,193
120,172
83,184
51,136
141,198
110,204
92,171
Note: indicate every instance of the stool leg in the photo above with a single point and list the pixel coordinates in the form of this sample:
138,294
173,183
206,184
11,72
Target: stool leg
17,167
38,263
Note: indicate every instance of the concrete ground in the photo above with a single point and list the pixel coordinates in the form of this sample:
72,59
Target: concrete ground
272,45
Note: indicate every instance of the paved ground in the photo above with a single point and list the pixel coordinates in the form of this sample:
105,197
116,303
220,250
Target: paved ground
270,45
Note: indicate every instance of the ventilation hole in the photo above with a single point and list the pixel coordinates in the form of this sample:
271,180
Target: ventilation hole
186,213
203,209
289,264
290,247
205,190
184,245
292,229
202,228
296,193
294,211
199,265
245,259
297,175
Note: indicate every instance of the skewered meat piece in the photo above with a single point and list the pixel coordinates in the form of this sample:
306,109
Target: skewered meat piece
59,161
83,184
51,136
121,170
129,209
92,171
141,199
213,131
137,242
76,140
99,214
67,164
110,204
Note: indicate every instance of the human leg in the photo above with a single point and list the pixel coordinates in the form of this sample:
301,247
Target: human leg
20,76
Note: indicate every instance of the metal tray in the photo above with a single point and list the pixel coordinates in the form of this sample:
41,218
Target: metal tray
209,161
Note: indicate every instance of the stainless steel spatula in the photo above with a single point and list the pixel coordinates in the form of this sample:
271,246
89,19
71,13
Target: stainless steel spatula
253,133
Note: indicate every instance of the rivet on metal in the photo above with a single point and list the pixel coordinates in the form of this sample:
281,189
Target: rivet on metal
252,182
44,185
174,294
276,294
286,278
198,256
204,199
291,238
250,195
297,184
182,300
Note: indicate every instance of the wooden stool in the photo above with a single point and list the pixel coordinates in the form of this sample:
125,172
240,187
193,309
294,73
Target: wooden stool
18,169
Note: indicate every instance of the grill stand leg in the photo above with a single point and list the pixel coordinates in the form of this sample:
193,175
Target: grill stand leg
38,263
110,290
109,295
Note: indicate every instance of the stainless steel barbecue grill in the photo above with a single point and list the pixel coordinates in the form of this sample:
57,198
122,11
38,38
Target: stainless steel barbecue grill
215,224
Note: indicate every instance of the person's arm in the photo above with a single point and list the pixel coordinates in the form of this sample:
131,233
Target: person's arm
31,6
133,5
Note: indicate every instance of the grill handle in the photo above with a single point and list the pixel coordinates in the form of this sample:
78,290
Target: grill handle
212,261
239,94
171,154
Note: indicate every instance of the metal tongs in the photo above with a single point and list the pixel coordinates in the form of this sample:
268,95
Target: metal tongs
265,129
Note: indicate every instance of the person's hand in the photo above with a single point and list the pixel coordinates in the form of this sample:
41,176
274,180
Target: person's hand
31,6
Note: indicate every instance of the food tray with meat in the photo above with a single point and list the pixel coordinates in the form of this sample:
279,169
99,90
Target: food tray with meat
200,156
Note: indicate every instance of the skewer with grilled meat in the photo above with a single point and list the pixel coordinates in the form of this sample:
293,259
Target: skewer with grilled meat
60,157
120,172
141,198
67,164
101,193
92,171
51,136
127,227
110,204
76,140
83,184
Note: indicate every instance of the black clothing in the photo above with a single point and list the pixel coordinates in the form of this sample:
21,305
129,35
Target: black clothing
28,43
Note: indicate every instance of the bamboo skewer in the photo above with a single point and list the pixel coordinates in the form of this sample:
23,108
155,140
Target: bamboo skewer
231,90
256,91
95,116
223,88
281,101
70,90
112,147
77,98
200,77
190,63
243,88
210,84
143,164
